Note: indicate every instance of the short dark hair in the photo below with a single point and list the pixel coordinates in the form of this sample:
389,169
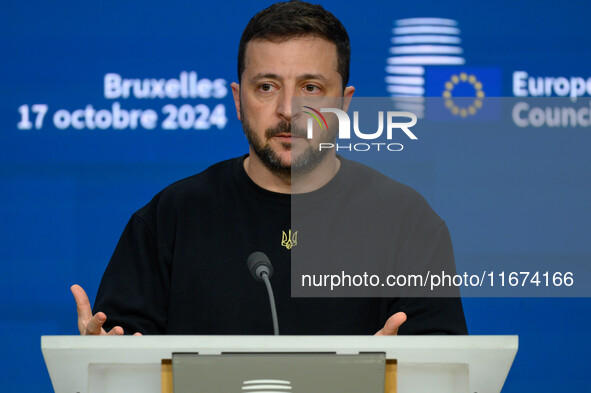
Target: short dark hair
283,21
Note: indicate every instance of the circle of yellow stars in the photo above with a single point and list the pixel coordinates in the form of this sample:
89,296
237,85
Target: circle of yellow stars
449,88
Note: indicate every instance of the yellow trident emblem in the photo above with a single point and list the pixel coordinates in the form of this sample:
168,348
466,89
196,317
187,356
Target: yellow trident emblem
288,241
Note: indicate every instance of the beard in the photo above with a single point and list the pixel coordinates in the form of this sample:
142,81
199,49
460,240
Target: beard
303,163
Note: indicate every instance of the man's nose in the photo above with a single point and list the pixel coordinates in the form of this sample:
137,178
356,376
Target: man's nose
284,104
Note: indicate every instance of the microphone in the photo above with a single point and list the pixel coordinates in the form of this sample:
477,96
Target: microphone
261,269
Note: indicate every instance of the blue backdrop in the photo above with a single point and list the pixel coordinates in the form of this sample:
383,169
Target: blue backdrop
73,168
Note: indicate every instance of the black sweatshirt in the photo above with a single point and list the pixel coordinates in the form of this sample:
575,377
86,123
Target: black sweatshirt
180,265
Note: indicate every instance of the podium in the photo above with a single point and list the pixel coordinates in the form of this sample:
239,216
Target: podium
445,364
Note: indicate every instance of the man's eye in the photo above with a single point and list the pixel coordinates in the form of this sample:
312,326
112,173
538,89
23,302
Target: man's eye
311,88
265,87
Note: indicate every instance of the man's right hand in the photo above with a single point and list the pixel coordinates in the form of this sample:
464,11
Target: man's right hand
89,324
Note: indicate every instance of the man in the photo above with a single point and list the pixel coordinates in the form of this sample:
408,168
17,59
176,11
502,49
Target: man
179,267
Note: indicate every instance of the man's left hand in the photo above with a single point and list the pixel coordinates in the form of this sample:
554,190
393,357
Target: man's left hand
392,324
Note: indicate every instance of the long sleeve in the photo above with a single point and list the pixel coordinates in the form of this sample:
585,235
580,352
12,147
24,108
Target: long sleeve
434,314
134,290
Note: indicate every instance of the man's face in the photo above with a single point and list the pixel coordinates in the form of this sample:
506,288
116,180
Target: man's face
274,73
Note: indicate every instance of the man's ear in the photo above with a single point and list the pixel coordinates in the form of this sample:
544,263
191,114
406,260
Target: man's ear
236,94
347,94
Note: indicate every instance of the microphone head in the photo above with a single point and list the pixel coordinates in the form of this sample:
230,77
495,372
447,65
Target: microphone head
259,263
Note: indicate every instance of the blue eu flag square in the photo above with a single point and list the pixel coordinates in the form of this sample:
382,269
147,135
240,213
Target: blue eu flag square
463,93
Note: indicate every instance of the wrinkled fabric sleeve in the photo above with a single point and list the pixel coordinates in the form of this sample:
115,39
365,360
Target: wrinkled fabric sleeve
134,290
430,314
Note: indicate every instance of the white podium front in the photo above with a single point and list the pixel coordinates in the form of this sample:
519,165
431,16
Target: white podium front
429,364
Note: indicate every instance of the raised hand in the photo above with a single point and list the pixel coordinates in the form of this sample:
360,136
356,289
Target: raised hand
392,324
89,324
